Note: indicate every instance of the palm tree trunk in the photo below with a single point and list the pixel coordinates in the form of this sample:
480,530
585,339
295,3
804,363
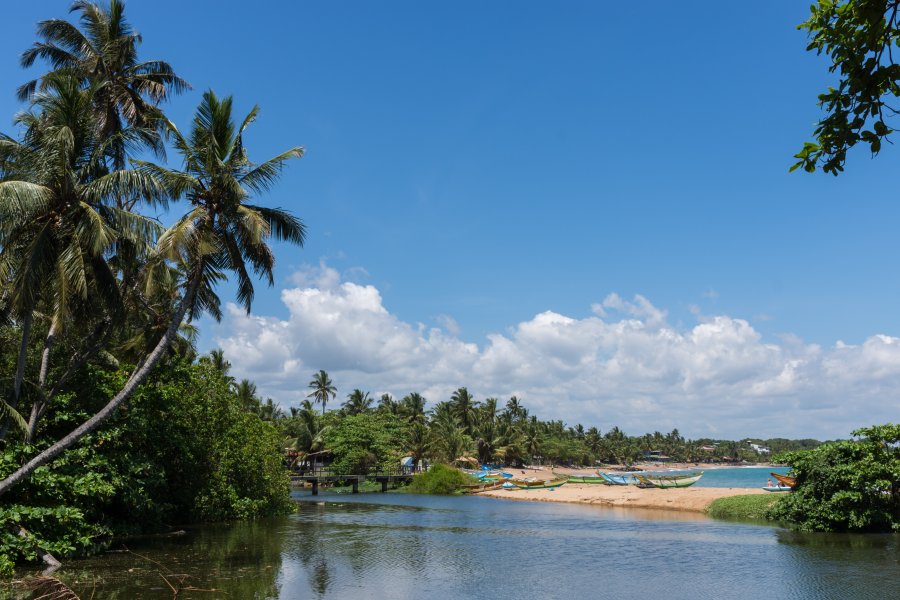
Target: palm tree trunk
20,369
39,403
45,356
136,379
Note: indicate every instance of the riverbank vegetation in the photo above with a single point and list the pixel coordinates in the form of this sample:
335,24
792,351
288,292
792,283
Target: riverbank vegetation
851,485
440,479
752,507
363,434
96,294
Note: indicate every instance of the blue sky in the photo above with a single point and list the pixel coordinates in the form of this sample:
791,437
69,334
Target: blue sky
471,166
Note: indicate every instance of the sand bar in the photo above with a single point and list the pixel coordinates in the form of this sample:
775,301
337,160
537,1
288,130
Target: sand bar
691,499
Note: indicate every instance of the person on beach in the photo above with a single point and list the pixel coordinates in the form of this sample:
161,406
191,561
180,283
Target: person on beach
769,482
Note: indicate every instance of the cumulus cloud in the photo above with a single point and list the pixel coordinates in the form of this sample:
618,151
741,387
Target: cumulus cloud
623,365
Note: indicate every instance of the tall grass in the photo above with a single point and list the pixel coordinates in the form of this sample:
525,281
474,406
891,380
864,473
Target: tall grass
752,507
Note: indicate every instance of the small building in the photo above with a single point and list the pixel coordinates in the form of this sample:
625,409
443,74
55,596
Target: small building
760,449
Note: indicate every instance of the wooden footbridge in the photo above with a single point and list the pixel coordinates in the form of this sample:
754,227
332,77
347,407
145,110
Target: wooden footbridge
326,477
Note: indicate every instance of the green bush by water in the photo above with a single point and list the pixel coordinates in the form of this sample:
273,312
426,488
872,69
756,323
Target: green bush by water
752,507
439,479
183,449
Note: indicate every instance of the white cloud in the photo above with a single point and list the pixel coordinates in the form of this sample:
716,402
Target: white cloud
716,378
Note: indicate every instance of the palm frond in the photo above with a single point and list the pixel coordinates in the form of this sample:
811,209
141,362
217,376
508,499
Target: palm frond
282,224
20,199
261,178
128,183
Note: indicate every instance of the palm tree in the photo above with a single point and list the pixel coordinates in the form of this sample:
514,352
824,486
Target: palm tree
322,388
104,55
464,407
246,394
387,404
269,411
358,402
514,408
412,407
56,226
222,232
217,362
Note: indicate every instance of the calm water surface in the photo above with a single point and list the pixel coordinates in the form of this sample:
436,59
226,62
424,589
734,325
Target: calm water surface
406,546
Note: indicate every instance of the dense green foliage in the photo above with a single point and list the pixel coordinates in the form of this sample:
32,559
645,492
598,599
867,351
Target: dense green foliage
849,485
439,479
184,450
752,507
360,437
95,294
365,442
858,36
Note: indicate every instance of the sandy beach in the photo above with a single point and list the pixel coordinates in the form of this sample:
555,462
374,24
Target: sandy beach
690,499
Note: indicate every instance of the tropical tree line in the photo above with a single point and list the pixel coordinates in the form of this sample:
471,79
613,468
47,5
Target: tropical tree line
89,276
463,429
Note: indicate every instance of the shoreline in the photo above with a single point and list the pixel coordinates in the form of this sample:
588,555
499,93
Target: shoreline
690,499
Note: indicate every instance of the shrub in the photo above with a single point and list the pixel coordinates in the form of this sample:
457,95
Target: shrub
851,485
752,507
439,479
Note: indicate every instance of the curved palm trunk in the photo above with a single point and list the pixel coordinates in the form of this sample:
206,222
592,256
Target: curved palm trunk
136,379
38,407
20,370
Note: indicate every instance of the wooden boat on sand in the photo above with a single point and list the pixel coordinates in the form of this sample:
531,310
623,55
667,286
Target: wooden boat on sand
532,483
784,480
777,488
618,479
482,486
670,481
582,478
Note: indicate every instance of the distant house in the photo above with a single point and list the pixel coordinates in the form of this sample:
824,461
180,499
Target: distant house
708,448
759,448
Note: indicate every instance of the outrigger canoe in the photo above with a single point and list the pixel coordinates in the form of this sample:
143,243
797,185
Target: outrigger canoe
670,481
532,483
582,478
777,488
784,480
617,479
484,486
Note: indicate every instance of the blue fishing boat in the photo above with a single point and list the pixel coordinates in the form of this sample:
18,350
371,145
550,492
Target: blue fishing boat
618,478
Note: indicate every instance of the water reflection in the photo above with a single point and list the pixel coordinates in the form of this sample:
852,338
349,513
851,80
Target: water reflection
403,546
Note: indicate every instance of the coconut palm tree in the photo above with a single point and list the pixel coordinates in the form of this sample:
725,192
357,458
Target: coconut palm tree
358,402
103,54
245,391
412,407
57,227
514,408
387,404
322,388
464,407
221,232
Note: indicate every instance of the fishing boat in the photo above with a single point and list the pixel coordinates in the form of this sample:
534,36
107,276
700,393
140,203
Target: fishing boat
777,488
582,478
618,479
532,483
784,480
670,481
483,486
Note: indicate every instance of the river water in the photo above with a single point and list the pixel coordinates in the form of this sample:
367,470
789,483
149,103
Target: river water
401,546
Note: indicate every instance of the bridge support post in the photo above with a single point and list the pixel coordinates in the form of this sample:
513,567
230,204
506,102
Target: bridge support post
356,486
315,483
384,483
